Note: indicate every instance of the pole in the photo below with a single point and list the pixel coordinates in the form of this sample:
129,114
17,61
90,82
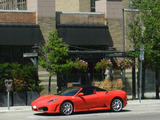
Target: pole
140,81
123,29
36,65
141,58
8,101
133,80
157,83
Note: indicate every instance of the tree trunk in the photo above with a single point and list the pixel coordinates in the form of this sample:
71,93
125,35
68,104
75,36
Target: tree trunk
49,84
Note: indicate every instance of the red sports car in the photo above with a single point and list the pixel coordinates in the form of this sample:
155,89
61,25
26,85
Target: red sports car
81,99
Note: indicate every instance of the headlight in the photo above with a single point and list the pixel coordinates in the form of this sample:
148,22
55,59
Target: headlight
52,100
34,107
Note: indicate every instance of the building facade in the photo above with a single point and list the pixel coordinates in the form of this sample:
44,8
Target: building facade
73,5
74,16
113,14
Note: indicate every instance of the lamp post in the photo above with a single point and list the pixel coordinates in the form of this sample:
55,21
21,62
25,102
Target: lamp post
35,61
141,58
34,58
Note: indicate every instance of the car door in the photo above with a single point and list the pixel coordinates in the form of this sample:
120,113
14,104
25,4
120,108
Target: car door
102,97
90,97
87,101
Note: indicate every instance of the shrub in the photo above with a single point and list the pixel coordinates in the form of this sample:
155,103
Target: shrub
23,77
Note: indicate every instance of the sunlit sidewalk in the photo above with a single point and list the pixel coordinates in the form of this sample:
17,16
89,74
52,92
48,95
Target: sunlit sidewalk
15,108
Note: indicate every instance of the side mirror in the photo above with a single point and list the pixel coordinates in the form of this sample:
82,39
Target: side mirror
80,94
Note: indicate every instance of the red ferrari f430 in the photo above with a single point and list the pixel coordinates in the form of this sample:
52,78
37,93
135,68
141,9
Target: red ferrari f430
81,99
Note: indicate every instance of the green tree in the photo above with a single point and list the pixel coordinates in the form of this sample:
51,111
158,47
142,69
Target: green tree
54,56
145,29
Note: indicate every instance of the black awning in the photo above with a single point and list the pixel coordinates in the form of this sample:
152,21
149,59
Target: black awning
20,34
96,52
86,35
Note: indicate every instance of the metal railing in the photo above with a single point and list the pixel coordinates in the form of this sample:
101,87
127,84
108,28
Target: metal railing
13,4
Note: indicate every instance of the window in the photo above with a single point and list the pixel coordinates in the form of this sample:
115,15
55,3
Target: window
92,5
13,4
88,91
69,91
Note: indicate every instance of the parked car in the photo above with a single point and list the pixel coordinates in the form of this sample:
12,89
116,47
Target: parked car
78,99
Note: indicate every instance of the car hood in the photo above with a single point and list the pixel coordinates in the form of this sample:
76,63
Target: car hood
44,99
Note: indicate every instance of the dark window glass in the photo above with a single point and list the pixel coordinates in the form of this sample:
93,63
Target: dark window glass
92,5
87,91
91,90
99,89
69,92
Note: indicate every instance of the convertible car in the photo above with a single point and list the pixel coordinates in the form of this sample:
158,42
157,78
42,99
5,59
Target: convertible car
81,99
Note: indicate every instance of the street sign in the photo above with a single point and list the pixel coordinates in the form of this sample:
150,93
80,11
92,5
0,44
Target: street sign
141,57
34,54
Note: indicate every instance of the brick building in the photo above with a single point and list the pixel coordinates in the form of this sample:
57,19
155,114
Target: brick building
45,14
25,23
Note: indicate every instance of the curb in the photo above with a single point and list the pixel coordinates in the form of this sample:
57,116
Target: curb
16,109
156,101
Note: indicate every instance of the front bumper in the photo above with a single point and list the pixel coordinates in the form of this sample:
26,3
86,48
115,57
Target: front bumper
46,108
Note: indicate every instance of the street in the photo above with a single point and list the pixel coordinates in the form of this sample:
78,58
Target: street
131,112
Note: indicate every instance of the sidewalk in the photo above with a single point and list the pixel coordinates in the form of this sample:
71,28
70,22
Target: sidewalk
15,108
28,108
144,101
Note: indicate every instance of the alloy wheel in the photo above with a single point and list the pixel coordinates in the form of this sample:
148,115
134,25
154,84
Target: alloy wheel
116,105
67,108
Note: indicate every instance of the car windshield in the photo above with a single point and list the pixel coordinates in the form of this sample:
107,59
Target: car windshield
69,92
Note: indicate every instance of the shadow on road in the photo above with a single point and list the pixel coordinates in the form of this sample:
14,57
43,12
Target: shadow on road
79,113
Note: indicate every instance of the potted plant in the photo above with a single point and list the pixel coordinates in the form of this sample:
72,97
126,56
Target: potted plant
80,65
103,64
123,63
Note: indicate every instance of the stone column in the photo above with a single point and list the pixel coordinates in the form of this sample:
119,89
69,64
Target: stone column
46,18
46,14
101,6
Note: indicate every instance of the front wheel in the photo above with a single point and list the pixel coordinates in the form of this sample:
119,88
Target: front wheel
66,108
116,105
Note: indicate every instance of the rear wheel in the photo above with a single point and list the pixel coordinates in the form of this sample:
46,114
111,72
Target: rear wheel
116,105
66,108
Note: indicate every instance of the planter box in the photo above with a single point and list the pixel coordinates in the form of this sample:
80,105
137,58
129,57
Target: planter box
19,98
4,99
31,96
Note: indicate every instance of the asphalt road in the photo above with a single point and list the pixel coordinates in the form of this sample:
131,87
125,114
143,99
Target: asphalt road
131,112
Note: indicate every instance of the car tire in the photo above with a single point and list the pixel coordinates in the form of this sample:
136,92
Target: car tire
66,108
116,105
